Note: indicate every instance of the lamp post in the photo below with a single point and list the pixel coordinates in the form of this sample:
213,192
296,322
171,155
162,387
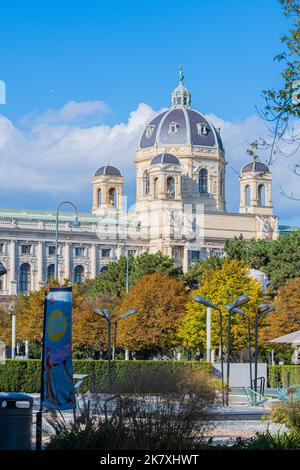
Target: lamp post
103,313
75,223
238,302
124,315
209,304
237,310
262,309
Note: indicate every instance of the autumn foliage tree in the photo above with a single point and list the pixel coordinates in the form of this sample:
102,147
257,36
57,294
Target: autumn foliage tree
221,285
160,303
88,331
286,317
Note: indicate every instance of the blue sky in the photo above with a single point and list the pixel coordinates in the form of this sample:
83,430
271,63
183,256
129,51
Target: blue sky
121,54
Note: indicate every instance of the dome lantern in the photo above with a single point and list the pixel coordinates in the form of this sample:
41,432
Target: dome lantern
181,97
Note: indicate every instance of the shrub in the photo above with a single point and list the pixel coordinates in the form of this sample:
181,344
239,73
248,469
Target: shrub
179,420
25,375
283,376
267,441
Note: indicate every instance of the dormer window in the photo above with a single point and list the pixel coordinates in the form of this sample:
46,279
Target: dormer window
149,131
179,101
202,129
173,128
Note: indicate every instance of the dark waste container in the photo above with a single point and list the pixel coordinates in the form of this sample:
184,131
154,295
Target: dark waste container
15,421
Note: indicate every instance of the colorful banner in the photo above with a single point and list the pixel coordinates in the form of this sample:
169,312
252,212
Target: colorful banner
57,368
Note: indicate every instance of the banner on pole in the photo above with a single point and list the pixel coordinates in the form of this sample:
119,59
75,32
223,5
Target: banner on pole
57,372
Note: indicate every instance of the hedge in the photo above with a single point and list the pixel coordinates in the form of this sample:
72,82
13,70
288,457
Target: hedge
283,376
24,375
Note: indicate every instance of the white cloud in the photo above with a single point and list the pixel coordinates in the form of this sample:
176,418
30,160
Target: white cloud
72,112
57,158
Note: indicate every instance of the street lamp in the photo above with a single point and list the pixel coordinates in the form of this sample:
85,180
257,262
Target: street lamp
74,223
262,309
209,304
104,313
238,302
237,310
124,315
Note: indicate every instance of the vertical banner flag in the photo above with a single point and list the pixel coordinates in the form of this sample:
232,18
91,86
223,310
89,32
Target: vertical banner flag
57,374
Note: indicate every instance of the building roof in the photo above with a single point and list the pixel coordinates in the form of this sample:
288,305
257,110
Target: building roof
157,132
108,170
256,166
165,158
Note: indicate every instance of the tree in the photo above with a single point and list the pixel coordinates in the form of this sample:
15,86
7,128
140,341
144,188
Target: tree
194,275
286,317
282,104
5,327
160,303
87,328
279,259
220,285
113,281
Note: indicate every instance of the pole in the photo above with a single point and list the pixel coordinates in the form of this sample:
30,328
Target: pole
13,335
221,355
109,351
127,289
56,248
208,334
249,347
115,340
127,271
228,357
256,351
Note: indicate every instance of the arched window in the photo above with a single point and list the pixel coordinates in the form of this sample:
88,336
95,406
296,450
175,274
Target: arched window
170,187
2,268
247,195
50,272
155,187
261,195
99,198
146,183
112,197
79,274
103,269
203,181
25,278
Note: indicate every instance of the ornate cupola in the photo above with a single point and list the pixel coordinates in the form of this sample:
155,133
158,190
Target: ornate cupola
107,189
255,182
181,97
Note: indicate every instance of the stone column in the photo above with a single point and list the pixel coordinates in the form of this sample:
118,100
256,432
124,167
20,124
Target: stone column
13,271
185,264
93,259
40,264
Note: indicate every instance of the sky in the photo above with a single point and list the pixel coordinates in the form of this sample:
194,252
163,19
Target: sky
83,78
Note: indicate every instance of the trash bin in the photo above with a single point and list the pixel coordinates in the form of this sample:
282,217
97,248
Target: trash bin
15,421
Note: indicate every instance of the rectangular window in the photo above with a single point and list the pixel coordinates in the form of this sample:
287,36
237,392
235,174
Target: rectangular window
51,250
195,256
1,247
105,252
79,251
131,252
26,249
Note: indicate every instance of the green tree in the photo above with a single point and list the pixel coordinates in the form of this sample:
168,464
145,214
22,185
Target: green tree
113,281
279,259
220,285
194,275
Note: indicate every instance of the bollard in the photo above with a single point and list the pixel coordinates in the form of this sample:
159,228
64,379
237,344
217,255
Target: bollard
15,421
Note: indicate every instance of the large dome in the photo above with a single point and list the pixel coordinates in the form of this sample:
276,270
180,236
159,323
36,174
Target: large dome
180,126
